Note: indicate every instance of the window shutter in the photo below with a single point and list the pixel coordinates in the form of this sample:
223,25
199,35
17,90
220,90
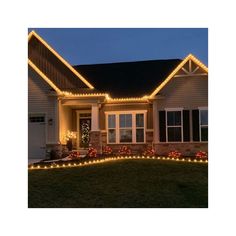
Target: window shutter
195,117
162,126
186,126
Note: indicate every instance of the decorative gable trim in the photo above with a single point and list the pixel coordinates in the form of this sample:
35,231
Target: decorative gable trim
190,58
33,33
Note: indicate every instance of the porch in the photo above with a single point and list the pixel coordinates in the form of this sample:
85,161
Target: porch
79,119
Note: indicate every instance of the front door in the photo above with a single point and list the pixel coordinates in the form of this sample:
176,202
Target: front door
85,127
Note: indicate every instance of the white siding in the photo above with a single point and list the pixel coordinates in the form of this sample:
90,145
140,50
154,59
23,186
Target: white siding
40,102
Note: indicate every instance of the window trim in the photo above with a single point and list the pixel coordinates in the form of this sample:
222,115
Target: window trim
200,126
37,119
133,128
181,111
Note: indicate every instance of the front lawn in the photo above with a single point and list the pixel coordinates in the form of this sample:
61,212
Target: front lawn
123,183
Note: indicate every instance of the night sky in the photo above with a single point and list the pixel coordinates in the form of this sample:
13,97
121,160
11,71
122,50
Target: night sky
106,45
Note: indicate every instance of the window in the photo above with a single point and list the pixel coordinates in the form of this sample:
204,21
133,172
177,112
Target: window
125,128
203,120
111,128
37,119
174,126
139,128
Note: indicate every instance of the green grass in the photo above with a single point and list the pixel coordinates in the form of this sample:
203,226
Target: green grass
124,183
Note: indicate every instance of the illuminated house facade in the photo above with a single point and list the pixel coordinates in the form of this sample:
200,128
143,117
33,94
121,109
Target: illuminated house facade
159,103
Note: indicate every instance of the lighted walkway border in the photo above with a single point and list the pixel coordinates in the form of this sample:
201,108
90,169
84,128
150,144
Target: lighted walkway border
108,159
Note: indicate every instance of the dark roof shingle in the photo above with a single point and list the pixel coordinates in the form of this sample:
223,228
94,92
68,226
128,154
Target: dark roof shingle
128,79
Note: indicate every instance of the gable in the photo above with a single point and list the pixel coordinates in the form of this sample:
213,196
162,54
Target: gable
189,67
43,76
53,66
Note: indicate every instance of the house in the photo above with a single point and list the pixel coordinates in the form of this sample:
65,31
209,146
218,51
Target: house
158,103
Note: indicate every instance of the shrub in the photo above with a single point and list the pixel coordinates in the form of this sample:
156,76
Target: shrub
56,152
201,154
107,150
74,155
92,152
65,152
174,154
124,150
149,151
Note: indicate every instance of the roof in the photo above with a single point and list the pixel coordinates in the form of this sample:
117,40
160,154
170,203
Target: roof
128,79
123,81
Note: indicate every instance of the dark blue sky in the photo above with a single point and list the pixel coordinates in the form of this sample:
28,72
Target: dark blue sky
106,45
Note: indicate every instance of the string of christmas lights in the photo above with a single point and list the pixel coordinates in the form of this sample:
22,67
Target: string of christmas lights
108,159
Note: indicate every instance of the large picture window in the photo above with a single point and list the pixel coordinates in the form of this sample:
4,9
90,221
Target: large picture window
174,126
125,127
203,120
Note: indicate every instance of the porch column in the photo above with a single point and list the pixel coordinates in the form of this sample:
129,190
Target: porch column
95,134
57,118
95,117
155,123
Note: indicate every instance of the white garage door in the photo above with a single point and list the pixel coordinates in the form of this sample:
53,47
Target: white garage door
36,137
